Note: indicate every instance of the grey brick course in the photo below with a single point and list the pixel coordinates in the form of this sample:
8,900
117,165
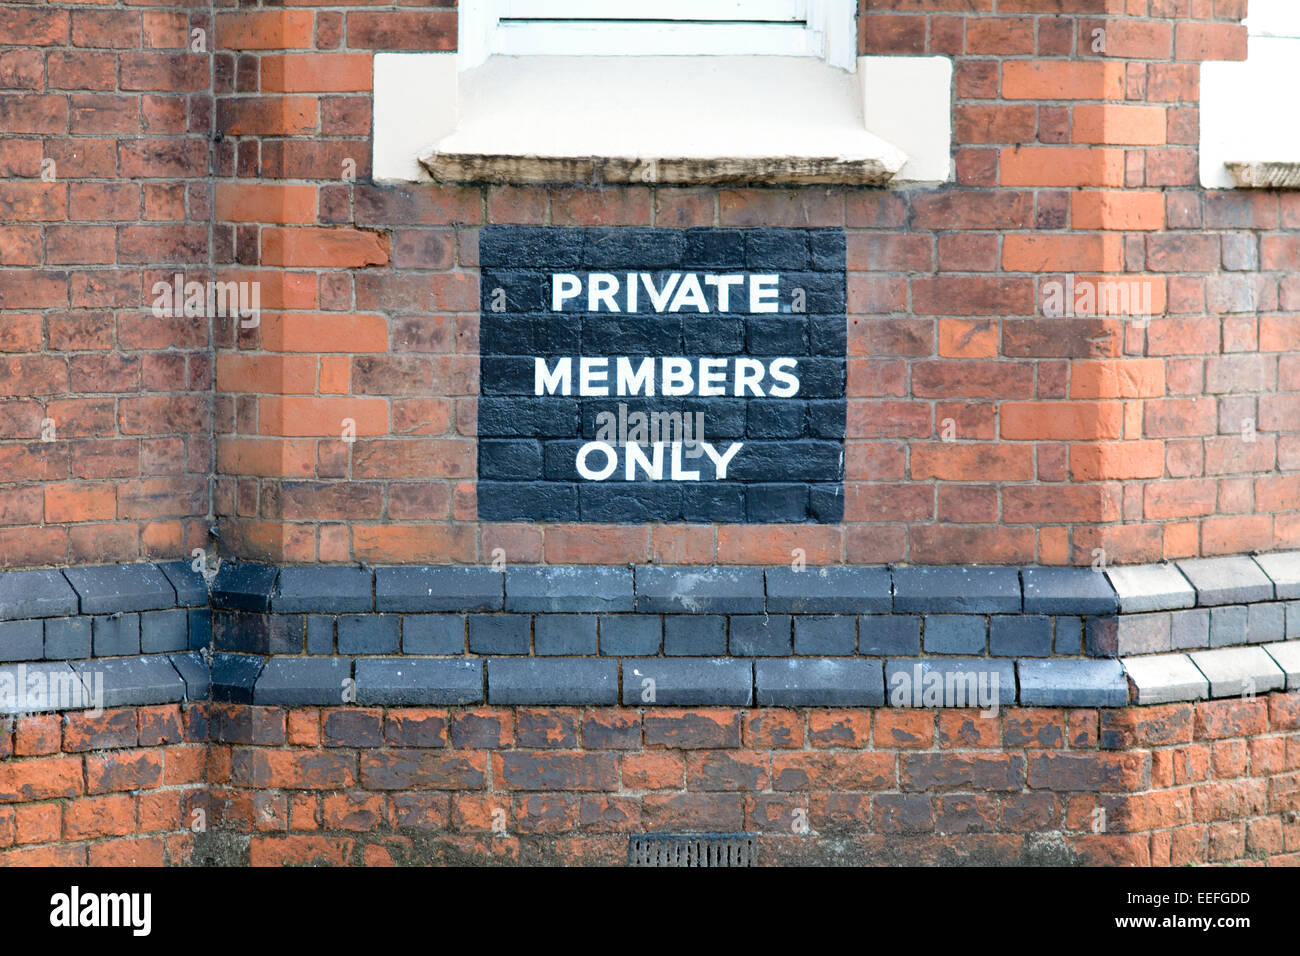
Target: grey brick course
884,635
955,634
368,634
1283,569
500,633
67,638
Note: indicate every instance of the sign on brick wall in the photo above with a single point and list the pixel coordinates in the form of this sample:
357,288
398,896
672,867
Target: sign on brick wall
661,375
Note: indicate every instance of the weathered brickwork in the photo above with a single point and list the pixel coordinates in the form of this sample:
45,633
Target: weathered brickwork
1181,784
251,160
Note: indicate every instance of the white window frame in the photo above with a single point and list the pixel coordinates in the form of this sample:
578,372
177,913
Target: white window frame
830,33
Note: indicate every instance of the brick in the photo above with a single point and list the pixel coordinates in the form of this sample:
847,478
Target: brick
1153,587
949,682
560,682
1072,683
1235,671
289,682
322,590
1230,580
687,682
956,590
625,635
433,634
1283,569
955,634
1164,678
1067,591
419,682
699,590
885,634
439,589
133,681
819,683
27,594
828,590
568,589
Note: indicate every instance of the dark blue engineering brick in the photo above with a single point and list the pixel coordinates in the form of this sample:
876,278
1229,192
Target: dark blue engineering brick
27,594
760,635
957,590
393,682
832,636
22,640
808,682
433,634
164,631
500,633
304,681
695,635
1067,591
133,681
369,633
828,591
568,590
67,638
233,677
323,590
417,590
559,635
574,681
244,587
887,635
1026,636
688,682
113,588
626,635
116,635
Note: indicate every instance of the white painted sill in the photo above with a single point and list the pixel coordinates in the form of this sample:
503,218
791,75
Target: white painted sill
671,120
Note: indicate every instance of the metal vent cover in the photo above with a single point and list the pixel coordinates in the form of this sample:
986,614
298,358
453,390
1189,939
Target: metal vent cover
692,849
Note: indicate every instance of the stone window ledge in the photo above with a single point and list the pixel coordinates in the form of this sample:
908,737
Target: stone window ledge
667,120
1258,175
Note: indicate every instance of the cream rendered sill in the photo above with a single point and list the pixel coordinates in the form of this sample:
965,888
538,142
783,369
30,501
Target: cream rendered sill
672,120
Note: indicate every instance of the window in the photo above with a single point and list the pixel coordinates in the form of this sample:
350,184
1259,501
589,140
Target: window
1248,136
812,28
661,91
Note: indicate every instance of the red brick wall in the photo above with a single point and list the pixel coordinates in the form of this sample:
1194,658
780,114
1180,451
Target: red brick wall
1071,435
104,190
1173,785
120,789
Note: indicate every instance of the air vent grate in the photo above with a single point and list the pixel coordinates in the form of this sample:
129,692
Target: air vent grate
692,849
